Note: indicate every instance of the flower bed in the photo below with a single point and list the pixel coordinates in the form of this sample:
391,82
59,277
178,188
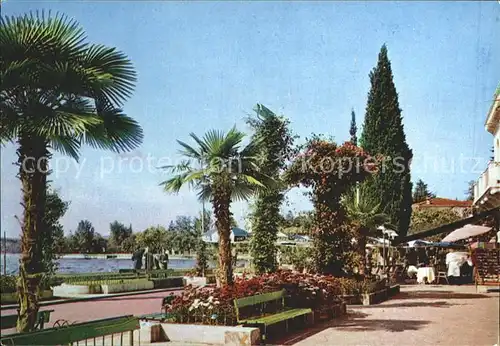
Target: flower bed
214,306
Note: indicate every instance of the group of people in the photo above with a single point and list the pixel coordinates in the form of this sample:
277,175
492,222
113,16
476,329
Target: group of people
458,265
151,260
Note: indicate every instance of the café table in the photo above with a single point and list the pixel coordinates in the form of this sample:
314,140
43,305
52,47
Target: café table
425,274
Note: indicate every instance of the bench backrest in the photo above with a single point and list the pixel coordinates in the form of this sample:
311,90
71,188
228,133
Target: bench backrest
75,332
259,300
10,321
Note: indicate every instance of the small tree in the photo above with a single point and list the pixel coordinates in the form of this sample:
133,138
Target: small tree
53,236
222,172
354,129
154,238
202,253
366,218
118,234
84,237
470,190
422,192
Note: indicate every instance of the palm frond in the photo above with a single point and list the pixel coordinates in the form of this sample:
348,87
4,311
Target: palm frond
116,131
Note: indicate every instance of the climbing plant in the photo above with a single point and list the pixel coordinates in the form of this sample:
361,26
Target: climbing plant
276,148
329,170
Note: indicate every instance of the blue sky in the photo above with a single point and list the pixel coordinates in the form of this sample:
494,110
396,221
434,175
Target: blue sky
204,65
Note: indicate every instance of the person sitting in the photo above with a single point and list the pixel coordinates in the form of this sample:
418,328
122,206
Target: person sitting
466,270
411,263
453,263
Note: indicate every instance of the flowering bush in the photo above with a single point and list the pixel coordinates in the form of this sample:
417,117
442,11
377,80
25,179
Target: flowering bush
330,170
214,306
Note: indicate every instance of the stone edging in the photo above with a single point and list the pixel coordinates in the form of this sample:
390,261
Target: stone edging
216,335
372,298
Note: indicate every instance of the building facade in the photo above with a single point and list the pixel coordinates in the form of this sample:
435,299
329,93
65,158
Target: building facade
487,188
461,208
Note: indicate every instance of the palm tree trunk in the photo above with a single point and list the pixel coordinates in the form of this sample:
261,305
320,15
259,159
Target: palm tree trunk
362,253
221,204
33,166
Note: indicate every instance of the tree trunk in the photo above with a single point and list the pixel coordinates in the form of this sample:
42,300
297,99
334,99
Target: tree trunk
362,253
221,204
33,159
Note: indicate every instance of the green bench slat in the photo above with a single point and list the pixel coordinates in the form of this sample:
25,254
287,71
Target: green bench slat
278,317
258,299
74,333
10,321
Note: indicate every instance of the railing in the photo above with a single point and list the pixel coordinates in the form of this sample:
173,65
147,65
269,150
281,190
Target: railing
110,331
490,178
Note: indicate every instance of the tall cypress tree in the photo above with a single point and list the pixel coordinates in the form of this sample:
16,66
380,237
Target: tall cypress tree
383,134
353,130
276,145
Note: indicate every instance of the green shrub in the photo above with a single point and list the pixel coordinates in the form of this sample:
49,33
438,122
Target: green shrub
8,283
167,282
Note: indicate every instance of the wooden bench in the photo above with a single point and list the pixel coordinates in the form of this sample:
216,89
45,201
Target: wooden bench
253,311
80,332
10,321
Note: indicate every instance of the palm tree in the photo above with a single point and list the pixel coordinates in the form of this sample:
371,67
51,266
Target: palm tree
58,92
366,215
221,172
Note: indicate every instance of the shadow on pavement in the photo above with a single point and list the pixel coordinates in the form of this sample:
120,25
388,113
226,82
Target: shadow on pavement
405,305
355,321
438,295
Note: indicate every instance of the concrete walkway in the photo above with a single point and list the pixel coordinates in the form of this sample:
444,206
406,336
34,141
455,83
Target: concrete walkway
419,315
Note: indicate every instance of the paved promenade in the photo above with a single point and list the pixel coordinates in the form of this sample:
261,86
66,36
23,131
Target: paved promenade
419,315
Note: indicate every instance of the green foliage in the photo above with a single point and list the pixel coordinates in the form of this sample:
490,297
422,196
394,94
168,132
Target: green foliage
119,233
301,223
383,133
221,171
298,256
202,252
53,241
330,170
86,239
274,135
429,218
154,238
58,92
353,130
8,283
470,190
421,192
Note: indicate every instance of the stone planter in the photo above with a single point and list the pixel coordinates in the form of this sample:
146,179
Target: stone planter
137,285
330,313
68,290
203,334
195,281
11,298
371,298
380,296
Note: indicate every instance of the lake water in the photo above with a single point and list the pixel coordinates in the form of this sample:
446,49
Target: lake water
91,265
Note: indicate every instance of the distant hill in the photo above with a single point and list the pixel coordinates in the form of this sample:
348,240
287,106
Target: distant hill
12,245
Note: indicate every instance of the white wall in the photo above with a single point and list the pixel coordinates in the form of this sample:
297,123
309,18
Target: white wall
497,144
